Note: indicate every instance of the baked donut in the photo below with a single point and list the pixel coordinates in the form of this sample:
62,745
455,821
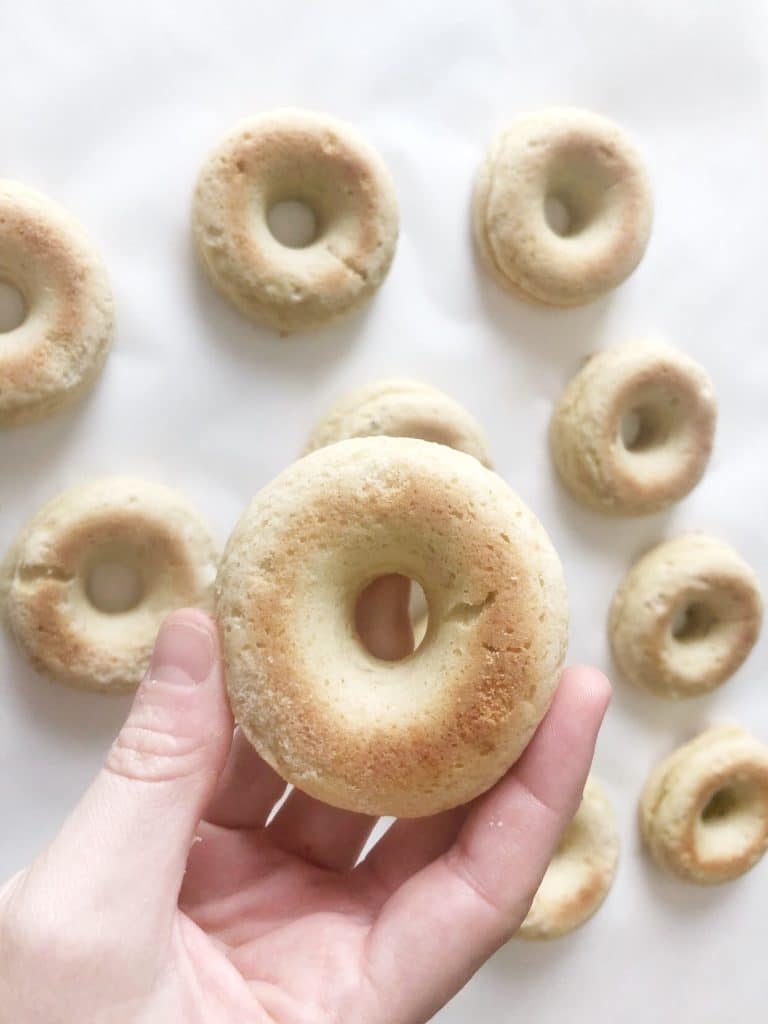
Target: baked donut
55,354
401,408
322,163
409,737
664,398
581,872
685,616
585,164
704,810
49,580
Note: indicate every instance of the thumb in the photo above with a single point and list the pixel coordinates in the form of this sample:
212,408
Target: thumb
126,843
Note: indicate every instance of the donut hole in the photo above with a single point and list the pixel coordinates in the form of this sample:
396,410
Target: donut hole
293,223
114,586
13,307
557,216
392,617
721,804
732,820
644,427
576,193
693,620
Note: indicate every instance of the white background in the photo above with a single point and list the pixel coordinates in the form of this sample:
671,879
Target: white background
110,108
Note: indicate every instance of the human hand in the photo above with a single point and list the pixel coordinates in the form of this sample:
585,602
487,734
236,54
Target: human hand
167,899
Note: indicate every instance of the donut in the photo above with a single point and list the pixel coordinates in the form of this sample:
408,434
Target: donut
685,617
581,872
664,398
54,356
704,810
322,163
401,408
435,729
141,530
585,164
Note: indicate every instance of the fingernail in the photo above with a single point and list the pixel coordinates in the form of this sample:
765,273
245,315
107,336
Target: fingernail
183,654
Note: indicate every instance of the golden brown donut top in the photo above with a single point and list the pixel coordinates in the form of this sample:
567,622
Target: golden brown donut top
408,737
54,355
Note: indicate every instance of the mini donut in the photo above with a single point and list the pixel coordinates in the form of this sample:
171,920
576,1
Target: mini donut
54,356
323,163
47,580
401,408
685,617
580,874
672,402
704,810
586,164
409,737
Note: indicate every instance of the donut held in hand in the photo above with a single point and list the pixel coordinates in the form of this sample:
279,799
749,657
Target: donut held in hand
410,737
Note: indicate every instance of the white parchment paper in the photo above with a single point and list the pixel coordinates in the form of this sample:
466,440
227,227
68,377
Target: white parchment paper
110,108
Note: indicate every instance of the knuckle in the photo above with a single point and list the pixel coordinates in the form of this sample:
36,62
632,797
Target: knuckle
145,753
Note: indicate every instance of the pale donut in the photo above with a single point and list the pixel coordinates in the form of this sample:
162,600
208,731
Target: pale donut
401,408
319,161
586,163
580,874
409,737
54,356
44,585
704,810
673,401
685,616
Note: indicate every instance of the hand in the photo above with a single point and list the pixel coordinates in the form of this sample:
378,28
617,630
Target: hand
167,899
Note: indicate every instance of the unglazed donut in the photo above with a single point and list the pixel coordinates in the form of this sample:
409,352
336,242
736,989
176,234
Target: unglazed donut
323,163
585,163
704,810
410,737
580,874
401,408
685,616
47,579
672,401
55,354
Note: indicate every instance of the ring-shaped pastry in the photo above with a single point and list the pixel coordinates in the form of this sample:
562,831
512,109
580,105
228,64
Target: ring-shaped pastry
633,431
685,616
325,165
409,737
586,165
401,408
580,874
54,355
704,810
49,586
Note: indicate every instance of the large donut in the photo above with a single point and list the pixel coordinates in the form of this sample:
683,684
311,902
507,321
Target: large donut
323,163
434,730
46,584
586,164
401,408
580,874
685,616
55,354
672,401
704,810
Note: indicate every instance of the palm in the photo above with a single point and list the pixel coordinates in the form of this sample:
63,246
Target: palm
295,933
